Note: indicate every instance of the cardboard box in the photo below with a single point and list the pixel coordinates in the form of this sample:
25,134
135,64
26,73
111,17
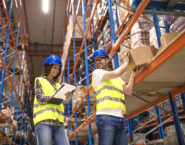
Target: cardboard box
139,56
165,41
166,38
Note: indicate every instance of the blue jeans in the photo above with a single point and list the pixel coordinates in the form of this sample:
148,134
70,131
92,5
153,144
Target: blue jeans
48,133
111,130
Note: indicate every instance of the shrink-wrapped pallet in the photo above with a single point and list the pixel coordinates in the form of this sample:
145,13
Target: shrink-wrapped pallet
153,35
178,25
140,33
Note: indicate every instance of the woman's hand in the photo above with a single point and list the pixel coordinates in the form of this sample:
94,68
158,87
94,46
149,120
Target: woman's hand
50,97
68,96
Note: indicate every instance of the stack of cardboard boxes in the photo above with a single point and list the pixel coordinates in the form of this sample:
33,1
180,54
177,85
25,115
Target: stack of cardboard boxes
171,136
79,93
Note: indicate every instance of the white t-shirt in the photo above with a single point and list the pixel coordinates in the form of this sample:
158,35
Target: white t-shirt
97,80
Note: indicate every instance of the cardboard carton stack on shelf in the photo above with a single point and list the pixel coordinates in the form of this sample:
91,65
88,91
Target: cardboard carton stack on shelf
176,23
166,105
7,124
8,86
136,136
167,39
26,42
153,35
77,96
171,136
1,46
79,29
11,59
121,11
101,10
140,32
156,142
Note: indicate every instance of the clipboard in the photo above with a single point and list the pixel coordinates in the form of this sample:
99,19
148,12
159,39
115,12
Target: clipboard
59,95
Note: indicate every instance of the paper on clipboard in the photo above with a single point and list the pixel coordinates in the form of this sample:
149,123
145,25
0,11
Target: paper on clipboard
59,96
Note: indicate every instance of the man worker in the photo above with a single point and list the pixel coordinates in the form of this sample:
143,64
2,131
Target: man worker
110,106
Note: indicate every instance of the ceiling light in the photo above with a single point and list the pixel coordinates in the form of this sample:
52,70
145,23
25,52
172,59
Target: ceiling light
45,6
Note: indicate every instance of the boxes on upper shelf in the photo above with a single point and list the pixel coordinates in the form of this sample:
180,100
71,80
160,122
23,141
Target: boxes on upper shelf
166,40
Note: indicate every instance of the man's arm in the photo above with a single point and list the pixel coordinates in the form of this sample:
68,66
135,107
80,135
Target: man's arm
119,71
128,88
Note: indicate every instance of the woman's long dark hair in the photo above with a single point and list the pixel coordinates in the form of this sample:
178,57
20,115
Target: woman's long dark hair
46,70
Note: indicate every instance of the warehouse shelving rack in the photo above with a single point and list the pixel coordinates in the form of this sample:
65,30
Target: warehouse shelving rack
154,65
13,35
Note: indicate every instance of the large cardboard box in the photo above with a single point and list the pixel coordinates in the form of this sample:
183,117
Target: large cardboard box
139,56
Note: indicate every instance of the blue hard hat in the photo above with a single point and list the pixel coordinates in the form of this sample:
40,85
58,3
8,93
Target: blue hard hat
53,59
99,52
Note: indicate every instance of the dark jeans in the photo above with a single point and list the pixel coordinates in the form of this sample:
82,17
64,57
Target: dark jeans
111,130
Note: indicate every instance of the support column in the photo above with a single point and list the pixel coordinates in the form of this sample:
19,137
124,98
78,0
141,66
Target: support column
183,100
176,120
161,133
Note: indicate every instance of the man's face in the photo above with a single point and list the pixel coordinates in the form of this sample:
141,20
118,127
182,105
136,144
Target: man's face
101,62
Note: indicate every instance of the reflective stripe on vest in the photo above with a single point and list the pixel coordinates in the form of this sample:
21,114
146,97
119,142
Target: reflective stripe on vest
47,111
110,95
111,99
109,88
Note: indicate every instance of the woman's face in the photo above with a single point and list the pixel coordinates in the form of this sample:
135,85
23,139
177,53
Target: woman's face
54,70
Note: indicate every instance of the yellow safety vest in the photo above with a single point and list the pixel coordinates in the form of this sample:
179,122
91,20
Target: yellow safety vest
47,111
110,95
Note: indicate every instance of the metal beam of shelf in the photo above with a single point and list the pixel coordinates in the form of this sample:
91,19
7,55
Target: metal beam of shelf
158,101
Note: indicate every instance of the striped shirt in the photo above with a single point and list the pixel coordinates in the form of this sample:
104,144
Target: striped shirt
44,99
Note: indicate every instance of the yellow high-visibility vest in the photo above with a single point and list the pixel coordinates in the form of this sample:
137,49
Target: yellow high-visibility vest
47,111
110,95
